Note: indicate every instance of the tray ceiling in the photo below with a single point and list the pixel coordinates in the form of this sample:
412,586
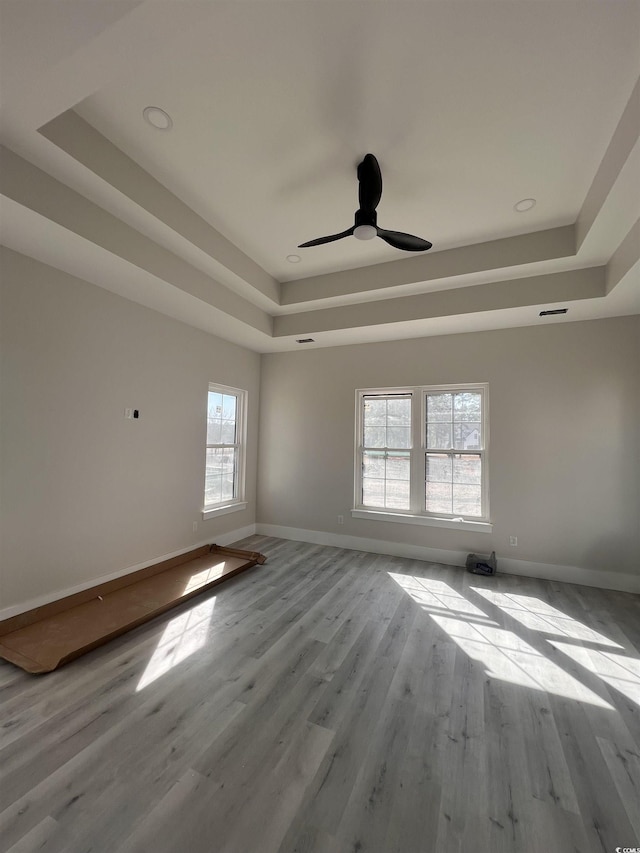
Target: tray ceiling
468,106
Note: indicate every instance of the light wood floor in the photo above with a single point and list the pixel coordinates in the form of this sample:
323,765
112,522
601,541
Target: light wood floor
334,701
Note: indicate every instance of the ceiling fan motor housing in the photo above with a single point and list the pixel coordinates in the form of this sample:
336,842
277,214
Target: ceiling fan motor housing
366,217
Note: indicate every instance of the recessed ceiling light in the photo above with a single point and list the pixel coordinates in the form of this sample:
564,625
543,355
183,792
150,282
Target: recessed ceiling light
157,118
293,259
524,205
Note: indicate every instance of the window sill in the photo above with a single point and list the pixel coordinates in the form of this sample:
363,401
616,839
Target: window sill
425,520
215,511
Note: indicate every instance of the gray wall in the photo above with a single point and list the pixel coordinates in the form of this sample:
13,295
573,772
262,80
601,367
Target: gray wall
564,423
86,492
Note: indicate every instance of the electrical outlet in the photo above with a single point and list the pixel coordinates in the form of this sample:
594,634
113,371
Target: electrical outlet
128,413
195,526
341,519
513,540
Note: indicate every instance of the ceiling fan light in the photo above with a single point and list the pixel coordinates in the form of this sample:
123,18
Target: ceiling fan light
365,232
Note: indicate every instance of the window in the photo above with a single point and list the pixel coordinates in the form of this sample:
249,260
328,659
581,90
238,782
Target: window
224,477
421,455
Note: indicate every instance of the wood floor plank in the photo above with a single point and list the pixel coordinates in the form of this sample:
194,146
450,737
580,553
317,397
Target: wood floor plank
624,767
312,840
277,796
163,828
378,789
603,814
329,794
338,702
37,839
461,750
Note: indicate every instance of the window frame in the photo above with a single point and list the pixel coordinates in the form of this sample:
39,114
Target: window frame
238,502
417,513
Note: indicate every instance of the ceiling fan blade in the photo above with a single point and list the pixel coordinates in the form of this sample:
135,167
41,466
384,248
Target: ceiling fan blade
320,240
370,178
408,242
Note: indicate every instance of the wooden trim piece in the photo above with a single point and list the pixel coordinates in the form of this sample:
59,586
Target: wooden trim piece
41,642
256,556
21,620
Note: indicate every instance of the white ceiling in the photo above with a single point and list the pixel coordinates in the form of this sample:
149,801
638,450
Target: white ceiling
468,106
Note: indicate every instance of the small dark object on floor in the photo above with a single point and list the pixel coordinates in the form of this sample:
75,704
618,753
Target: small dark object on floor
478,564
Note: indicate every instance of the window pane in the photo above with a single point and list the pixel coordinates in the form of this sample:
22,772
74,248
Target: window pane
228,432
375,412
439,435
220,475
228,462
467,436
399,412
438,497
453,484
212,489
467,500
439,407
398,436
467,469
397,495
385,481
373,492
438,468
438,474
374,436
373,464
214,405
229,407
227,487
387,422
467,406
214,460
214,430
398,467
229,475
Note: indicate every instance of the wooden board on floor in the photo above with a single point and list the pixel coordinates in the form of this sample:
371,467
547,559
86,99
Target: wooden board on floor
41,640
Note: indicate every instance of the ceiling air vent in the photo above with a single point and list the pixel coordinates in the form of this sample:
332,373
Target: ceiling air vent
304,340
554,311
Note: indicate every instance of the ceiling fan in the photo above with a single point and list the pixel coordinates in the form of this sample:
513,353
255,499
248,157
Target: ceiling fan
365,227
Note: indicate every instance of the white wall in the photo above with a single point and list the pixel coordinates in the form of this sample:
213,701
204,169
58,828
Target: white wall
564,423
84,492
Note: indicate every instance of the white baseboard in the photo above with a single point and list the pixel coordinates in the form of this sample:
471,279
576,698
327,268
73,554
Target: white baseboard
361,543
234,535
572,574
565,574
222,539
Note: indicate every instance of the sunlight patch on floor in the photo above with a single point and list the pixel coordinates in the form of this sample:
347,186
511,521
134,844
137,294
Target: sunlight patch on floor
619,671
182,637
505,655
204,577
540,616
437,594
